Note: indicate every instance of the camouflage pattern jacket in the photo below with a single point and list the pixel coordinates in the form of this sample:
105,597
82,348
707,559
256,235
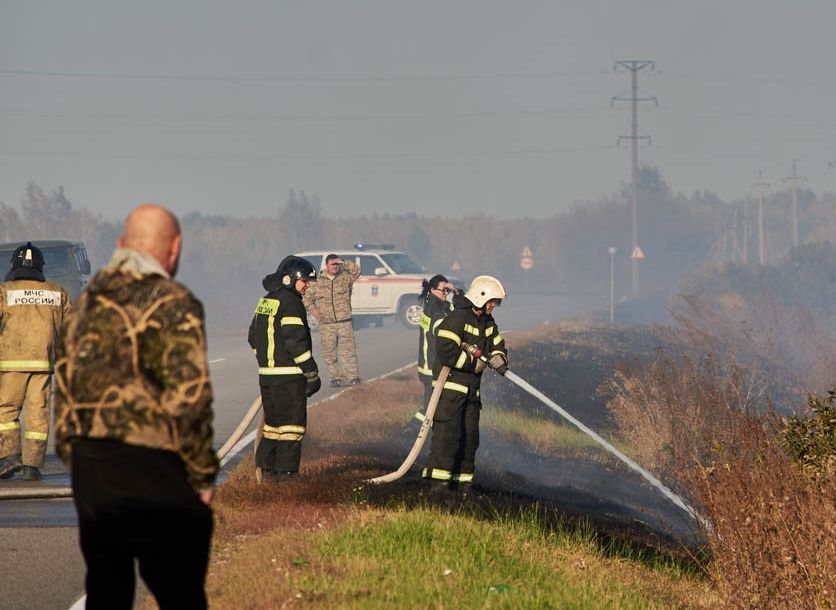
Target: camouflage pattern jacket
132,367
32,313
330,295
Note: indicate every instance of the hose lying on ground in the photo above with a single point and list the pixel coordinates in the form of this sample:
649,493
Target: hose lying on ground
33,494
242,427
422,433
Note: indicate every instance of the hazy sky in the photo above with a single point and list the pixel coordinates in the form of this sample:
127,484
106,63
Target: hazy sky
439,107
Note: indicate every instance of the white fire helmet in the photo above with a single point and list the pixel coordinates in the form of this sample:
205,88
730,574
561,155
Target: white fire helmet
484,288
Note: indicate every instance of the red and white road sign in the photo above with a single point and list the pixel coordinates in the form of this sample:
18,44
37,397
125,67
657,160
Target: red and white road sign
637,254
527,259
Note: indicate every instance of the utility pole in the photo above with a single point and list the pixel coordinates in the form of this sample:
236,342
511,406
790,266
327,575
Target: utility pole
794,178
760,185
612,252
735,248
746,232
634,66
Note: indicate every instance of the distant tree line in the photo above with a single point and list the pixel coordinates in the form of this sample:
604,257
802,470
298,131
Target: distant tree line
225,257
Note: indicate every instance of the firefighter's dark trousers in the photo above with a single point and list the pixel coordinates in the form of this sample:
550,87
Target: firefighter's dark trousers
136,503
455,438
285,417
414,424
427,382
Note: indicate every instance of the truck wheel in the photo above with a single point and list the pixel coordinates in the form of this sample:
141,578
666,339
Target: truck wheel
410,313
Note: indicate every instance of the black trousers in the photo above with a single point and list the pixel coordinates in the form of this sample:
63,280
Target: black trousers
136,503
455,438
285,413
414,425
427,382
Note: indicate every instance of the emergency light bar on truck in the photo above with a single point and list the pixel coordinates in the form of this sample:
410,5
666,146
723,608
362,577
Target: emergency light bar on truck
362,247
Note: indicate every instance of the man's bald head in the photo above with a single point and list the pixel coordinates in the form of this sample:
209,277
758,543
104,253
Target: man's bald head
153,229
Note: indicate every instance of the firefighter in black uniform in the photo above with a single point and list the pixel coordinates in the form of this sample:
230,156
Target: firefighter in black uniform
287,371
456,422
436,307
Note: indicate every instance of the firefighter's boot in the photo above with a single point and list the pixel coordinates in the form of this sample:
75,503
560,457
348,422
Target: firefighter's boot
31,473
9,465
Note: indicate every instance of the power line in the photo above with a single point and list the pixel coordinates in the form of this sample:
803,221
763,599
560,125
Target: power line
720,78
295,79
749,79
281,155
295,117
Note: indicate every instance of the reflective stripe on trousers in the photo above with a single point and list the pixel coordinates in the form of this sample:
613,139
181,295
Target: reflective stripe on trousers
284,433
445,475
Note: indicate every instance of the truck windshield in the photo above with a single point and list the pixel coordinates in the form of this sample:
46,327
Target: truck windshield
58,262
401,263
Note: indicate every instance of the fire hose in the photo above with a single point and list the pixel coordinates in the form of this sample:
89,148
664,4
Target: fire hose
235,437
422,433
524,385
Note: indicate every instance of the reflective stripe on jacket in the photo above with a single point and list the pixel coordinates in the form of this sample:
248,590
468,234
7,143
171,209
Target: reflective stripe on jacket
32,314
279,334
435,310
464,326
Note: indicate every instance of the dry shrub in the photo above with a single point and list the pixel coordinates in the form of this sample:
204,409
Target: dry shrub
773,542
789,343
673,412
774,538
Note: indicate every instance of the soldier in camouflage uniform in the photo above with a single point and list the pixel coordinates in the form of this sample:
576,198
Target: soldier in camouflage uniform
133,421
329,301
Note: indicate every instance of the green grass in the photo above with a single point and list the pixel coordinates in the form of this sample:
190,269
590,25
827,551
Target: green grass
426,558
543,437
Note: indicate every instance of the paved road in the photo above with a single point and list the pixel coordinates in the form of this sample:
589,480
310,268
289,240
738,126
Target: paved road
40,561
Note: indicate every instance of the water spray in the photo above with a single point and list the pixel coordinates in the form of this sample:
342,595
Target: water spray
677,500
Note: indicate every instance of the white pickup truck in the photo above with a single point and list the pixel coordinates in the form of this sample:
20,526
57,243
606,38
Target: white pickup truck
389,283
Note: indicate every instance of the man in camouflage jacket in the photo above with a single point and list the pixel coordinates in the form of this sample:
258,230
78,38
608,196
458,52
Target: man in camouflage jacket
329,301
133,419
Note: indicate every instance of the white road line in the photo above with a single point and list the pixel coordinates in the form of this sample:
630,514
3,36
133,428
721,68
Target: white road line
216,360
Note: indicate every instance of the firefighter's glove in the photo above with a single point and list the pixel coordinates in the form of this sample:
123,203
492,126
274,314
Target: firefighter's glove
498,362
312,383
480,366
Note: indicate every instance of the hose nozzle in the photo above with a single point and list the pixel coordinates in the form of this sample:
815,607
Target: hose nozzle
473,351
